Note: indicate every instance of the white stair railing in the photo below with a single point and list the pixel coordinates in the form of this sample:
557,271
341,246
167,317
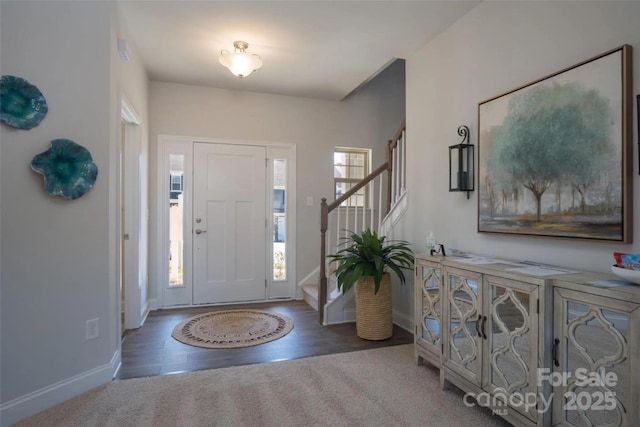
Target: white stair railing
351,213
353,217
397,152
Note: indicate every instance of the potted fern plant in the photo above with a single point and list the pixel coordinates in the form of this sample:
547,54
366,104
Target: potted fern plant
366,261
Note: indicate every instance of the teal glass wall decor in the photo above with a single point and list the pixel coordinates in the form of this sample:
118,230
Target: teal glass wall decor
22,105
67,168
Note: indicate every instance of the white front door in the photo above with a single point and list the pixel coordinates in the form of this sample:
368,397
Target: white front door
229,220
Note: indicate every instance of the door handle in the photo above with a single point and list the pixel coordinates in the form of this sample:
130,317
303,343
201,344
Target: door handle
484,323
198,231
478,325
554,352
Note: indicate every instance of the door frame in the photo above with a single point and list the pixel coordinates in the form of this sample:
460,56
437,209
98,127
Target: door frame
186,144
134,189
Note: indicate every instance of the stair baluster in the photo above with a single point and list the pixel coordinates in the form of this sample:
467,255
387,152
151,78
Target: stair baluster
395,166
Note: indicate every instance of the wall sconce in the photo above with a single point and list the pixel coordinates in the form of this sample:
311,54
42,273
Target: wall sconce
461,164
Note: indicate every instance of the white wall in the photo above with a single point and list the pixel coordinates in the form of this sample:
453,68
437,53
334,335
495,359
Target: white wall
58,258
366,119
496,47
55,256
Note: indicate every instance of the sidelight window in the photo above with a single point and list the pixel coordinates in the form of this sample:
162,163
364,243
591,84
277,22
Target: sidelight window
176,220
279,219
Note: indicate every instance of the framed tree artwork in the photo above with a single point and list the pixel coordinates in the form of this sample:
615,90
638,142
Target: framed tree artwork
555,155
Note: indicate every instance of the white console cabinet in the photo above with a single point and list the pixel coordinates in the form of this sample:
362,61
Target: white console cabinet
428,309
494,341
596,330
510,338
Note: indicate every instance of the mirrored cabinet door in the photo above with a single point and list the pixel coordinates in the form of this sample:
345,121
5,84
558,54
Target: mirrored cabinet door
596,360
511,343
430,307
463,344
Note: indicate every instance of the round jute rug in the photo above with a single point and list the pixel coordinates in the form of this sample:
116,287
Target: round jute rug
232,328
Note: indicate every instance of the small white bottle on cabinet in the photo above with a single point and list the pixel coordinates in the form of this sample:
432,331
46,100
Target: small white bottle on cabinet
431,242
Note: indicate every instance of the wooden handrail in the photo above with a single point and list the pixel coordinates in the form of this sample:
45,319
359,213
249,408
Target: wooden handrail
389,156
398,135
325,209
393,143
373,175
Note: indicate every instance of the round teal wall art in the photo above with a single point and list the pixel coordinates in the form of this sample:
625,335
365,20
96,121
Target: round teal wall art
22,105
67,168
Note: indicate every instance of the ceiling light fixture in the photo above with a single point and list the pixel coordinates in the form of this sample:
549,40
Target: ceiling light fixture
240,62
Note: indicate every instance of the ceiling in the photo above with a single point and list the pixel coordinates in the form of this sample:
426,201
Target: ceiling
315,49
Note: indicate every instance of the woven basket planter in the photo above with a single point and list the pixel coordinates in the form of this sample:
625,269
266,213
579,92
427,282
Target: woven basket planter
374,311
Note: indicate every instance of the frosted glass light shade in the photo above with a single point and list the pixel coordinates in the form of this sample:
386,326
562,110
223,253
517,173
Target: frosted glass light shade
239,62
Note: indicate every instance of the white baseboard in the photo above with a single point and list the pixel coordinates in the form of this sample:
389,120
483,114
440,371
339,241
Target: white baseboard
145,313
400,319
403,320
30,404
116,363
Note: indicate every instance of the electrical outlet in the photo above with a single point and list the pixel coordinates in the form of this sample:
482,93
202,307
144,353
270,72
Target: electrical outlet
93,329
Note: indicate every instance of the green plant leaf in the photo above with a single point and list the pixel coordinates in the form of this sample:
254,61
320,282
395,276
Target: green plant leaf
368,255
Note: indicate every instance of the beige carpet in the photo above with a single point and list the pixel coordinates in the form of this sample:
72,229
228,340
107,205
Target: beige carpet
232,328
381,387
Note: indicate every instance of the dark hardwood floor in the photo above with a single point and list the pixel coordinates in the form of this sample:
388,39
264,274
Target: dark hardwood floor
150,350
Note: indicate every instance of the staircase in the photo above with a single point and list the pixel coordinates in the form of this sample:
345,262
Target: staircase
310,294
386,203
